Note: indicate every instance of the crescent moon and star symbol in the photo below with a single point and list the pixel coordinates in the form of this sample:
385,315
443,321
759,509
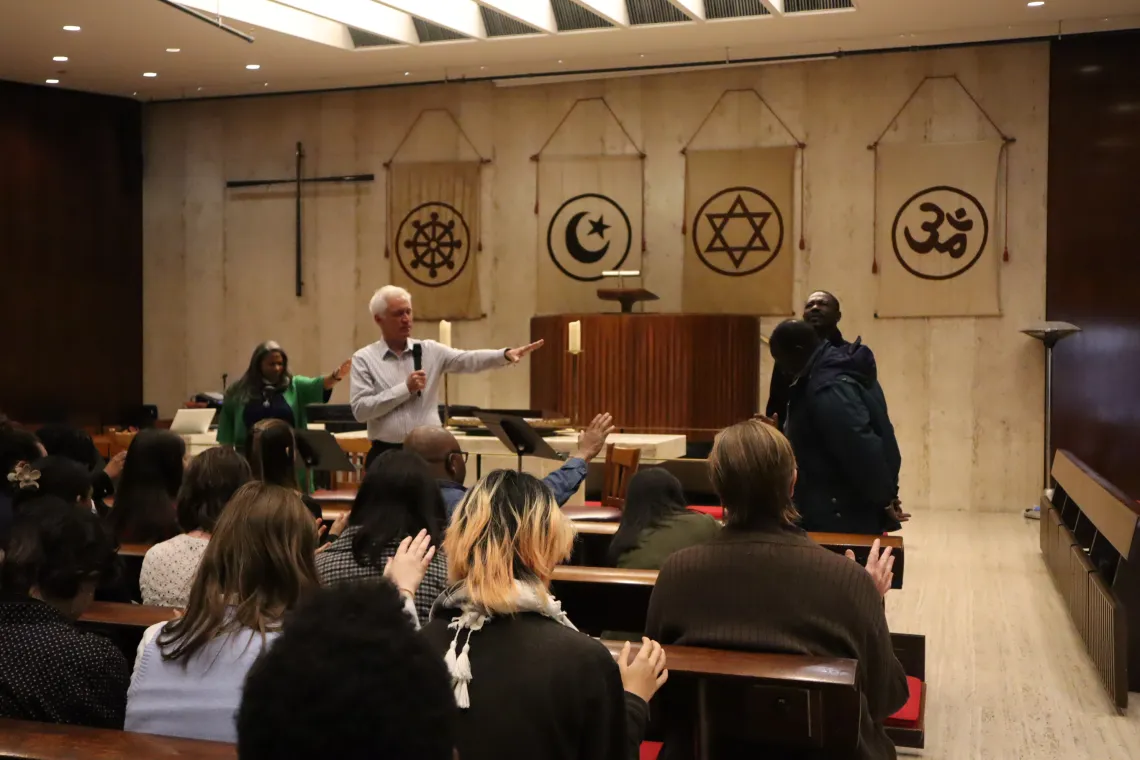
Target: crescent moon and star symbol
587,235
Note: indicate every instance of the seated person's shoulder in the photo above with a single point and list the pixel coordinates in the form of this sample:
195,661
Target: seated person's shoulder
90,652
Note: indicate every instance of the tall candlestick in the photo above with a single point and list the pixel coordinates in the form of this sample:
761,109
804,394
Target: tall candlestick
575,338
445,332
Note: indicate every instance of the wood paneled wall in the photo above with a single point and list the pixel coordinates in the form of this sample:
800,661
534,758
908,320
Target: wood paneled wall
1094,251
70,254
965,394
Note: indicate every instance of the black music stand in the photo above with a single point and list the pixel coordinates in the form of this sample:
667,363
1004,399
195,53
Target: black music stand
518,436
320,451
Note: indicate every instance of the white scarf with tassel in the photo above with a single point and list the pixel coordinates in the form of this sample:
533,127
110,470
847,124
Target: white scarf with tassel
528,598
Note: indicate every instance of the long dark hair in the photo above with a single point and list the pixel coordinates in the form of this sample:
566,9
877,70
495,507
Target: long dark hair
654,495
57,476
399,497
272,453
144,505
250,385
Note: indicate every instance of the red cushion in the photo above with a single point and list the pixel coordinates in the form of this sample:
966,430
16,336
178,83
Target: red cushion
591,504
907,717
716,512
650,750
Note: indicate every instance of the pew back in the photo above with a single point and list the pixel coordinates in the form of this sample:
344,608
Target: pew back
27,740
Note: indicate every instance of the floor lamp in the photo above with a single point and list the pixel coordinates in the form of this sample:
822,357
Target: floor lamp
1049,333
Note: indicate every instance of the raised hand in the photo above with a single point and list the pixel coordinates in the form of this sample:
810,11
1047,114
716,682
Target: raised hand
515,355
646,673
879,566
407,569
593,438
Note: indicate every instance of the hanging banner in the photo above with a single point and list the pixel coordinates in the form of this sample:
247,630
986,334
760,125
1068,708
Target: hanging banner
433,221
739,251
936,231
589,222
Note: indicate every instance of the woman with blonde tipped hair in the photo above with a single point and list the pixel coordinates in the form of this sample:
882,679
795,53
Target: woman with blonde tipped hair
763,585
527,683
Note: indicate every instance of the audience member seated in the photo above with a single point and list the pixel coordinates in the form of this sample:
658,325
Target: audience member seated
439,449
144,506
527,683
210,481
259,562
76,444
16,445
397,499
656,522
49,670
348,678
763,585
51,476
272,454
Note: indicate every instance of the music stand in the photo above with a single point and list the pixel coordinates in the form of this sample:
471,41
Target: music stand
518,436
321,451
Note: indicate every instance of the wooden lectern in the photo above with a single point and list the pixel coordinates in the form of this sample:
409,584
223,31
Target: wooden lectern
656,373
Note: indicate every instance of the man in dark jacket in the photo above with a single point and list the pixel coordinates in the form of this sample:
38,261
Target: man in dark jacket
842,436
821,311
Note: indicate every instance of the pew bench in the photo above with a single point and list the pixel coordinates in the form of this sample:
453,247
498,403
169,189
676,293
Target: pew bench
602,599
594,535
28,740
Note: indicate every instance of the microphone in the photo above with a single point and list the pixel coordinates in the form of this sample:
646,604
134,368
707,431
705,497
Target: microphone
418,361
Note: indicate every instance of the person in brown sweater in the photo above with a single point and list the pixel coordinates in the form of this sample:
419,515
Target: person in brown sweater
763,585
528,685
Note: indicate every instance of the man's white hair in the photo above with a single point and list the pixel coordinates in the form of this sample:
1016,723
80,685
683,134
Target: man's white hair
384,296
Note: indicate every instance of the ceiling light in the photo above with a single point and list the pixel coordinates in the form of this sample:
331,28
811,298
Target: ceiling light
1036,3
560,60
266,84
70,28
60,58
52,81
406,73
253,66
150,74
174,50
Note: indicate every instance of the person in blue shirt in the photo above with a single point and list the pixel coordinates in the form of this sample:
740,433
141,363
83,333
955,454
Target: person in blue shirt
449,463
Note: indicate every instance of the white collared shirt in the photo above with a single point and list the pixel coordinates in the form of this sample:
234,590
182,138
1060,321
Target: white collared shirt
378,387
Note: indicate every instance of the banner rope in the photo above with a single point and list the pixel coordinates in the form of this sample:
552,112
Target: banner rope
1007,141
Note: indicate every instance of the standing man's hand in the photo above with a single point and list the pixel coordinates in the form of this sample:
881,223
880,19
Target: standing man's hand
515,355
593,438
897,512
416,381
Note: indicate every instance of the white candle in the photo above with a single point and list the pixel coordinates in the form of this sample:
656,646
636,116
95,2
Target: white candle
575,337
445,332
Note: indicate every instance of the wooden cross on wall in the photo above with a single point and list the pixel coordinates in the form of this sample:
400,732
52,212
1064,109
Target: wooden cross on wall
298,180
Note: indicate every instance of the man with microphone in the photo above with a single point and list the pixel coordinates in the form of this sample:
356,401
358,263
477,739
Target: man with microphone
395,381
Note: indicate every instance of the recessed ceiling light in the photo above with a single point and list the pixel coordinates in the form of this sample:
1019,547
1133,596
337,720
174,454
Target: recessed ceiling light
406,73
134,93
52,81
560,60
253,66
60,58
150,74
482,68
70,28
266,84
174,50
1036,3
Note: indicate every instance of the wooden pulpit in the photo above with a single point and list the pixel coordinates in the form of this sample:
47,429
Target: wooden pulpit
656,373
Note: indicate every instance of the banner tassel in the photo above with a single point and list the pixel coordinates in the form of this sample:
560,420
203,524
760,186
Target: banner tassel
387,251
874,266
1005,254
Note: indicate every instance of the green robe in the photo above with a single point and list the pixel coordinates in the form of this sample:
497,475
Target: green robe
301,392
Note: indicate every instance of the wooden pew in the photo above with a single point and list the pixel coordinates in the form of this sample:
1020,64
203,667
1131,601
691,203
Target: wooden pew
1090,540
593,541
123,623
28,740
760,703
601,599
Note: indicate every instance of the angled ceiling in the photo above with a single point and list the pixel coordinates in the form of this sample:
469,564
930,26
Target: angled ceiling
328,44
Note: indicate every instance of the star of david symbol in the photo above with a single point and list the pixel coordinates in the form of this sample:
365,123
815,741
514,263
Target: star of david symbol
750,231
738,210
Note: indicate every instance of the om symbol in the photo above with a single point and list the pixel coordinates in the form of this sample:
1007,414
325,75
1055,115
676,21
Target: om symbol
966,231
